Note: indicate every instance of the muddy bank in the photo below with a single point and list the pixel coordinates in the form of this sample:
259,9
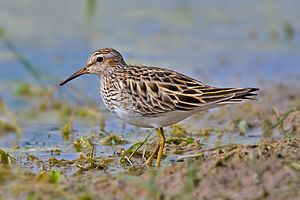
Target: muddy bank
268,170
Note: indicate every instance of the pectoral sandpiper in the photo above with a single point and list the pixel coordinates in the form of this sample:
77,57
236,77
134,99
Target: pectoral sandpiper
153,97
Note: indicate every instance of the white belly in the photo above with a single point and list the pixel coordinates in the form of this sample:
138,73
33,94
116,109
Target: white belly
162,120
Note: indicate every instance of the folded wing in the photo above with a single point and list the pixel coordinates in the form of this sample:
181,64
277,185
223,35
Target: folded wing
157,90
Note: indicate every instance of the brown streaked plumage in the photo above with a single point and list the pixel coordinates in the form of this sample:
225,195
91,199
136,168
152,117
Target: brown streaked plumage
154,97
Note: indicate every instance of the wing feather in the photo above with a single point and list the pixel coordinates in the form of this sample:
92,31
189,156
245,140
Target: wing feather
161,90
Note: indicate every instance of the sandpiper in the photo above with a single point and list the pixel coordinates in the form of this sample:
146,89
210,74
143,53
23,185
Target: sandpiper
153,97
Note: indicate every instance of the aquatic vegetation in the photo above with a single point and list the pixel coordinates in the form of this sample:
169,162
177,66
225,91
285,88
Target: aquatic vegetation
132,151
83,144
5,158
67,129
178,131
8,122
24,89
51,176
295,166
9,127
209,131
89,162
113,140
179,141
289,30
280,122
241,125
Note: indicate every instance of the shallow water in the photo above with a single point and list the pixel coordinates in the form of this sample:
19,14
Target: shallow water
222,43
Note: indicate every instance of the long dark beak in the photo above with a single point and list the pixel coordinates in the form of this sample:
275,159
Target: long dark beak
75,75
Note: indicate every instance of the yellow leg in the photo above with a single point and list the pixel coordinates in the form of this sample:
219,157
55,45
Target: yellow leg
149,160
162,141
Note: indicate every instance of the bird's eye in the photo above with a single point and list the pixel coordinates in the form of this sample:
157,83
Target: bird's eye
99,59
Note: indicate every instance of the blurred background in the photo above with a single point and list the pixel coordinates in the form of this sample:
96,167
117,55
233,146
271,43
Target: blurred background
226,43
222,43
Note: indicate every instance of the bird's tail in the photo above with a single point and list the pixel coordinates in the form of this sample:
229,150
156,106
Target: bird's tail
221,96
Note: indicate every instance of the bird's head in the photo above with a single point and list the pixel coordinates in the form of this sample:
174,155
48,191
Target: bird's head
100,62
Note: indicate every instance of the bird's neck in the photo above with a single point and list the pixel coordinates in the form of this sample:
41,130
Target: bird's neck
110,72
